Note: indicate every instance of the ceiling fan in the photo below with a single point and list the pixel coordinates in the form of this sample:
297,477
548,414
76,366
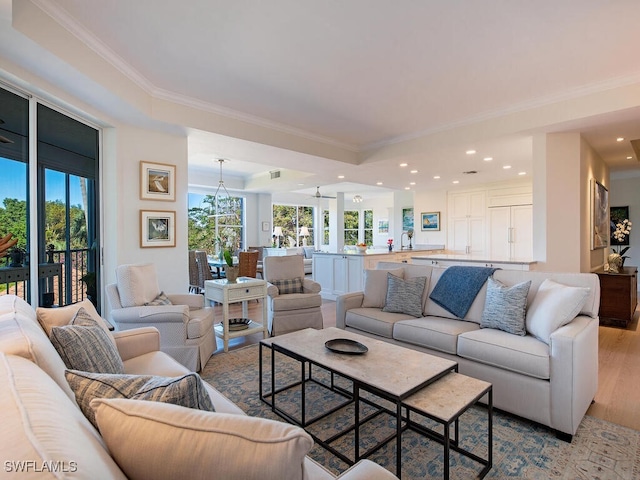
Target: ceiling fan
319,195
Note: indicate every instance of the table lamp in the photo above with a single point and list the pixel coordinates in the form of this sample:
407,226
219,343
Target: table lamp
304,233
277,232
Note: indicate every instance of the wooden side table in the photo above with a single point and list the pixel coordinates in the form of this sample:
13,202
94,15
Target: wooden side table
618,296
243,290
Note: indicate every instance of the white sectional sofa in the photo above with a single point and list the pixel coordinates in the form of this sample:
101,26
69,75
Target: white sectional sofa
45,434
551,381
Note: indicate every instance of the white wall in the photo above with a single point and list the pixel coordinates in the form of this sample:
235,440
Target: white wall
124,148
626,192
430,201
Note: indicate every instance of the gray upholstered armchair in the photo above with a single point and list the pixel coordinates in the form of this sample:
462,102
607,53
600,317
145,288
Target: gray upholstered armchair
184,323
293,301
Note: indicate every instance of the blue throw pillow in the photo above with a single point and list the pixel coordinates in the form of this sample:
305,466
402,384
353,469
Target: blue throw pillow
505,307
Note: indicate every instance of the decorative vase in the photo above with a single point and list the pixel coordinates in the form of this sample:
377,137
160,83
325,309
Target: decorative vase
391,248
232,274
615,263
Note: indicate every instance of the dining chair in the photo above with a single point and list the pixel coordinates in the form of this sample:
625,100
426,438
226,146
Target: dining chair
248,263
194,278
259,267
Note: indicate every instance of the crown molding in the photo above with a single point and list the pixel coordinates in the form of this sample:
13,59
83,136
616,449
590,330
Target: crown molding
62,17
578,92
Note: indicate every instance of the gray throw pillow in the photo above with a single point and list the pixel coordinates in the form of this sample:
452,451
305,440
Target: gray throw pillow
404,296
290,285
84,345
161,299
505,307
187,390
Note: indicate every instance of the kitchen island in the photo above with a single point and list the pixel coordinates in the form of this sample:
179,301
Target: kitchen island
340,273
444,259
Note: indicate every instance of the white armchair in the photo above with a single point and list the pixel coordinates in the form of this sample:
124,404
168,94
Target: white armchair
185,324
289,312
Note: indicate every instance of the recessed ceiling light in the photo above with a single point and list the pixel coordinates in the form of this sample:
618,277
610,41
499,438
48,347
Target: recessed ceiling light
487,159
506,167
340,176
378,183
620,139
414,171
404,164
470,152
522,173
436,177
456,181
412,183
406,188
629,158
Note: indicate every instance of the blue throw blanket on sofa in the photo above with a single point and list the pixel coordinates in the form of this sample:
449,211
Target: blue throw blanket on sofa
458,286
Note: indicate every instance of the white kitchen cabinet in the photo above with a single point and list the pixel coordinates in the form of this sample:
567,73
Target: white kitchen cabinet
511,232
467,222
338,274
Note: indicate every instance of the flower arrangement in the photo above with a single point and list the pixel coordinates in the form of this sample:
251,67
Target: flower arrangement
227,243
390,243
622,230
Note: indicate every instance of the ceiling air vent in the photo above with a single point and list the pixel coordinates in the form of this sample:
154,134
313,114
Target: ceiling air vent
274,174
470,172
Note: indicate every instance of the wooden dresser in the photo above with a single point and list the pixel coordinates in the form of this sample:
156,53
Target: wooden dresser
618,296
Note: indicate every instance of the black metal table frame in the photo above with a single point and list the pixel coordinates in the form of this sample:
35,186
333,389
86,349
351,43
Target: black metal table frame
354,397
453,443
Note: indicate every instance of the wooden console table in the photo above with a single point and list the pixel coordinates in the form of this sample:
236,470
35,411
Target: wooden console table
618,296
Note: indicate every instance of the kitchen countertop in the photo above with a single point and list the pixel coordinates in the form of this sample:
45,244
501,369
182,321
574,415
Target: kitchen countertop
384,251
471,258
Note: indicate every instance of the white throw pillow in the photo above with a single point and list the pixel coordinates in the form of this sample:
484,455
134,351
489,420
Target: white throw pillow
156,441
61,316
375,286
553,306
137,284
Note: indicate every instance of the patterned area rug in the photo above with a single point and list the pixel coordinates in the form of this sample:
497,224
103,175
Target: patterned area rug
521,449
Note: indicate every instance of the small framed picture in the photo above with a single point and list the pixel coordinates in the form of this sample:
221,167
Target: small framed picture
265,226
157,228
157,181
430,221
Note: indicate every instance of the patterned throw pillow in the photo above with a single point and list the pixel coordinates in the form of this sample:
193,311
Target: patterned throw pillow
161,299
404,296
84,345
505,307
187,390
290,285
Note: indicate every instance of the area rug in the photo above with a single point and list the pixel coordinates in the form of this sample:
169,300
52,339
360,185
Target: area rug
521,449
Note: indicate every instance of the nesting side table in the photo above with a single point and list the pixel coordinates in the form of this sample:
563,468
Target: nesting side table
243,290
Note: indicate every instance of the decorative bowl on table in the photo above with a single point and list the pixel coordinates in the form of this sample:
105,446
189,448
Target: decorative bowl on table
361,248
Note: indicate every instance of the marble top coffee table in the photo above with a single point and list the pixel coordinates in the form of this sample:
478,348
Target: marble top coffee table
387,371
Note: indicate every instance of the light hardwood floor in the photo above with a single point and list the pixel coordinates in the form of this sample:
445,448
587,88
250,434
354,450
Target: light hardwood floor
618,396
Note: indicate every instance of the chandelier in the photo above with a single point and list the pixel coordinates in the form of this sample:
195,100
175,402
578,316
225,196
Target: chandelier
357,199
221,209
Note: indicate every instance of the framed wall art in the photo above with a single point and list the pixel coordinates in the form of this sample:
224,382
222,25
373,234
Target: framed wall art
430,221
407,219
157,228
600,230
157,181
383,226
617,215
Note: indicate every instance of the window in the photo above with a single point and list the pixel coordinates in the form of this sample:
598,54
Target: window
368,227
325,227
290,218
67,200
205,229
351,225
